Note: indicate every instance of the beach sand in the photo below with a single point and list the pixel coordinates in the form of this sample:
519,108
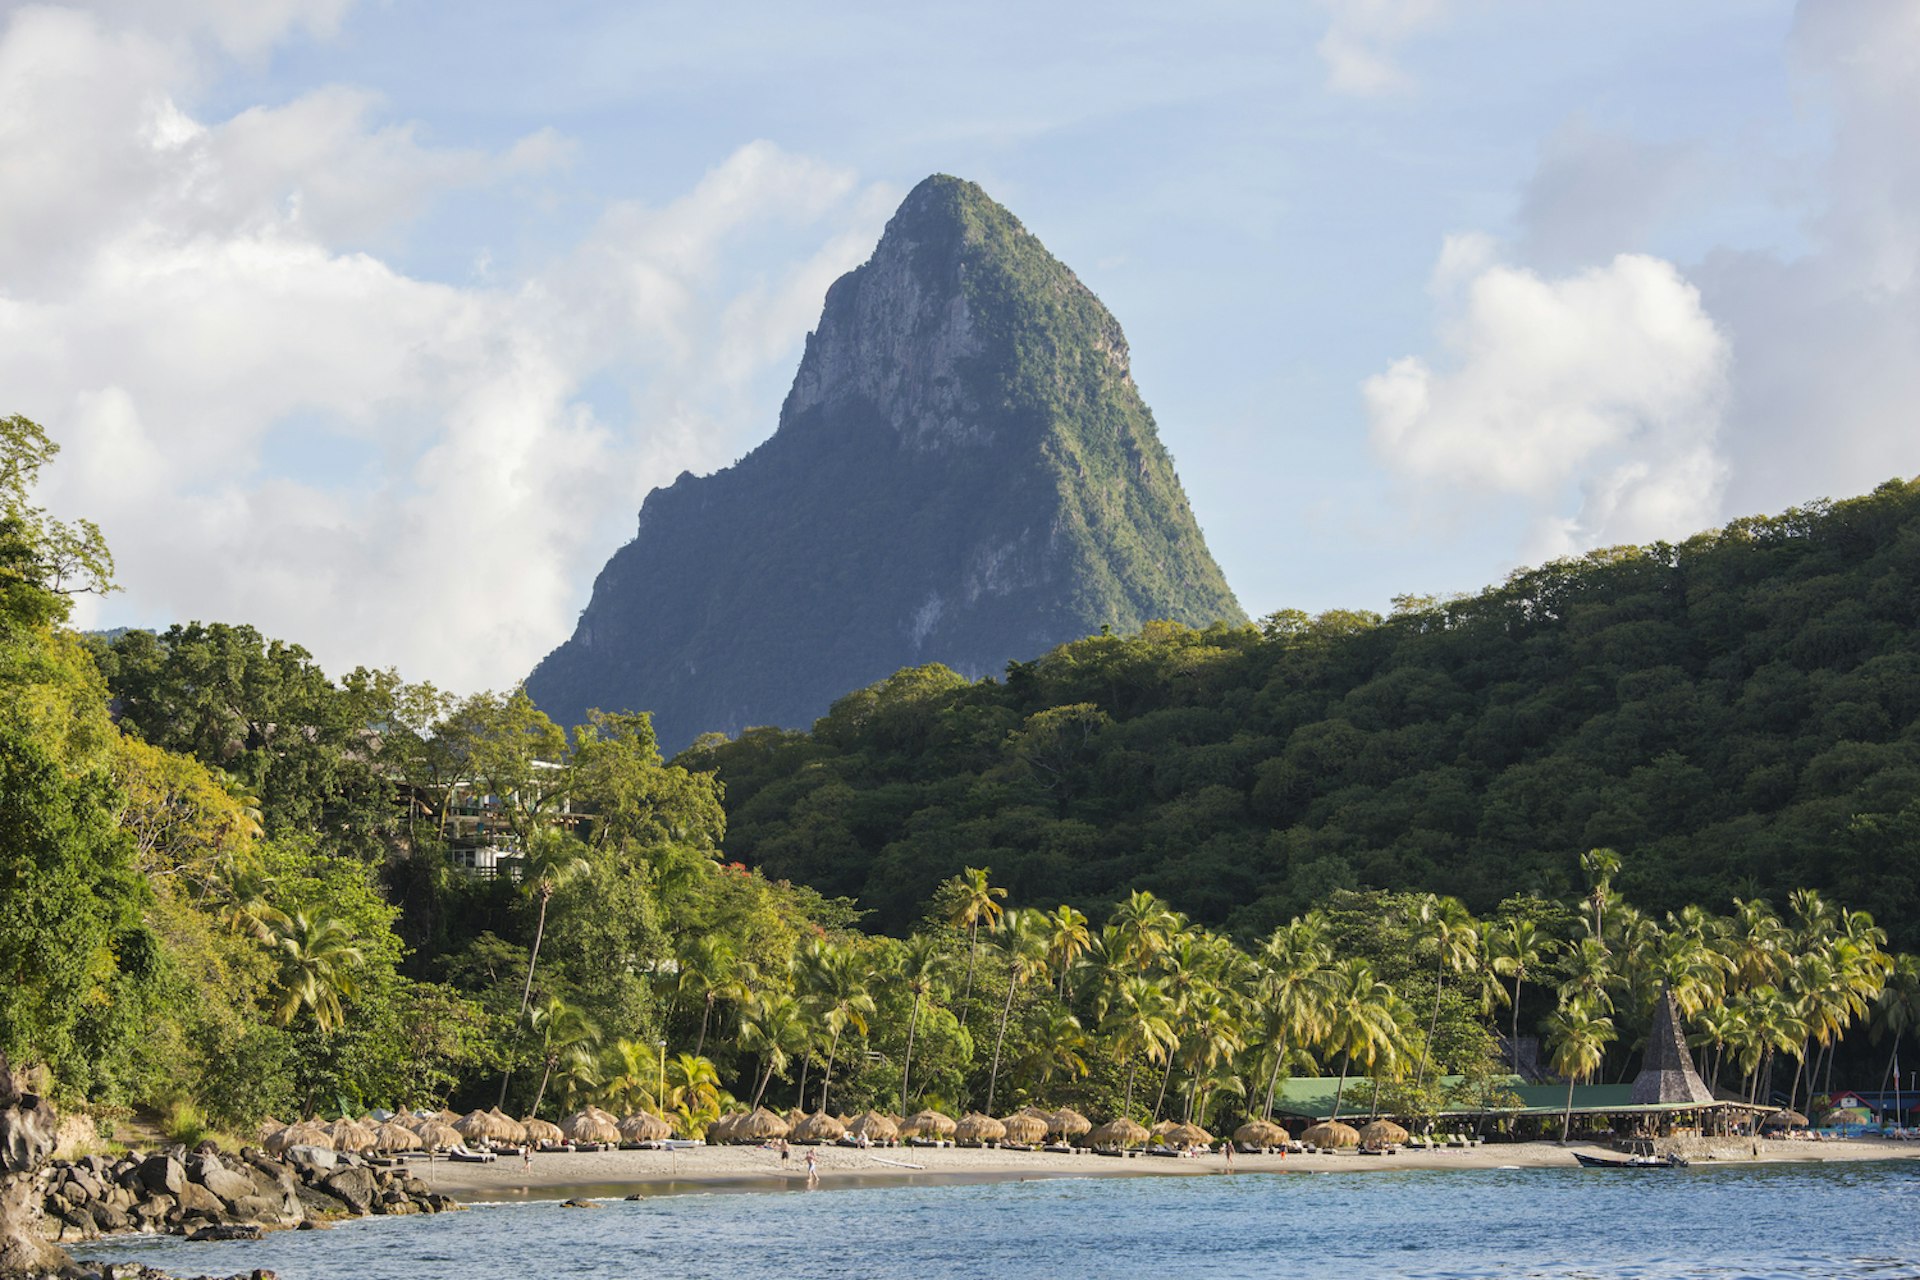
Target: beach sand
612,1174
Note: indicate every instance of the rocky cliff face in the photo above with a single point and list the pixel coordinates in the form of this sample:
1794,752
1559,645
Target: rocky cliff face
963,473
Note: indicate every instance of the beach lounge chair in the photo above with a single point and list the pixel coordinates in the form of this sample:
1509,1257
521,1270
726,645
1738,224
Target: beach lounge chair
470,1156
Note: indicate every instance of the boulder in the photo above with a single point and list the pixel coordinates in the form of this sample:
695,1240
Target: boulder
265,1209
162,1175
227,1184
354,1186
312,1162
227,1231
197,1200
316,1202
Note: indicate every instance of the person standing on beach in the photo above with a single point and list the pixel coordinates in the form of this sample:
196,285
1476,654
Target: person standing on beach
813,1168
1226,1149
526,1155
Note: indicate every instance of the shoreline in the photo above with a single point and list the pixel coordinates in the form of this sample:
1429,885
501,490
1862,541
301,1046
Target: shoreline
706,1170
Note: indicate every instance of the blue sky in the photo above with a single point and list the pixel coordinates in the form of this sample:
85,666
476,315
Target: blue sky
372,323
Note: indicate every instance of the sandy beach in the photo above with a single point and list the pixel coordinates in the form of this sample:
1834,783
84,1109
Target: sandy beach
611,1174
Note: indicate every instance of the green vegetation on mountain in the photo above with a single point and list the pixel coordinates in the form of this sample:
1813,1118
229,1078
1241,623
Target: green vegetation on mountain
964,472
1741,711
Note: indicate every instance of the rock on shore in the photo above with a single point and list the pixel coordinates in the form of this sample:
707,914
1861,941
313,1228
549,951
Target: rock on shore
207,1195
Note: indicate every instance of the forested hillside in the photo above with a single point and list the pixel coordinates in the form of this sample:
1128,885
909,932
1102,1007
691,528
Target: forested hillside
1736,714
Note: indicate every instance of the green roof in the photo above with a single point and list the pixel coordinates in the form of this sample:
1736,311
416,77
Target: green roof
1312,1098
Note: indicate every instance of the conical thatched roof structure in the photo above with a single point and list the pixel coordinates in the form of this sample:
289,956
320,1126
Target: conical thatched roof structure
1188,1135
435,1136
395,1137
516,1133
1332,1133
1119,1133
975,1127
1161,1128
1024,1128
1667,1077
1784,1120
445,1116
539,1130
820,1128
874,1127
590,1125
267,1127
759,1126
350,1135
721,1130
1382,1131
793,1116
644,1126
484,1126
928,1124
298,1135
1068,1124
1261,1133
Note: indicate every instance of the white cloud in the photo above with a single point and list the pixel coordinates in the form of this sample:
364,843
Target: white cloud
1600,390
275,428
1361,38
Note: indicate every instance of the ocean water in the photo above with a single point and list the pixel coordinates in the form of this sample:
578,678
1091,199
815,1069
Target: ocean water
1727,1222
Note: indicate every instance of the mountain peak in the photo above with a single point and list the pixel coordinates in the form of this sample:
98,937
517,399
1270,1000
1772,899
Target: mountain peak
963,472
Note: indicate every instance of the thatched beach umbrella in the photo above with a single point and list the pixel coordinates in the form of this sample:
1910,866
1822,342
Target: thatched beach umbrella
874,1127
539,1130
267,1127
395,1137
435,1136
1332,1133
298,1135
484,1126
1261,1133
644,1126
1382,1132
1068,1124
1188,1135
1161,1128
1784,1120
516,1133
820,1128
445,1116
1024,1129
928,1124
794,1116
761,1125
721,1130
974,1127
1123,1132
350,1135
590,1125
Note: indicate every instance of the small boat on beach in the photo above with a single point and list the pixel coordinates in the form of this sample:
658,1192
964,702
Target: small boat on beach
1629,1162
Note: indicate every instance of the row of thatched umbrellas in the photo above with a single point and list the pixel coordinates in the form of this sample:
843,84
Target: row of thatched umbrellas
1028,1126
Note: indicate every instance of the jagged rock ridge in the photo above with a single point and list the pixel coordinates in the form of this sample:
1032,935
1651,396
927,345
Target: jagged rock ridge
964,472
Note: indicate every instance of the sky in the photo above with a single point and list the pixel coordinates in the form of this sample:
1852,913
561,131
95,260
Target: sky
371,322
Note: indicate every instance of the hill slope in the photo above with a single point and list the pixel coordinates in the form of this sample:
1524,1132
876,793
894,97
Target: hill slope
1736,714
963,472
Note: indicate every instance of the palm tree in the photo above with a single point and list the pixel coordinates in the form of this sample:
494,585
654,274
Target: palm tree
549,863
1601,866
565,1035
835,980
1142,926
632,1072
1360,1021
1516,947
974,905
1291,988
922,964
1135,1023
317,957
1026,949
1067,940
708,970
1577,1037
693,1088
1450,932
1896,1010
1060,1045
773,1026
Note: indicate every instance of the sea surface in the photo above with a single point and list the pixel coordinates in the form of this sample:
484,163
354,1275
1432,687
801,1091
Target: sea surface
1730,1221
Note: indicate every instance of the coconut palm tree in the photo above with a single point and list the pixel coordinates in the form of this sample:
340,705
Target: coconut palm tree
1450,933
1600,866
1134,1020
1060,1045
1896,1010
1025,943
1291,987
631,1074
550,862
693,1089
835,981
773,1026
566,1036
922,965
709,971
317,956
975,904
1143,926
1516,947
1361,1022
1067,940
1577,1038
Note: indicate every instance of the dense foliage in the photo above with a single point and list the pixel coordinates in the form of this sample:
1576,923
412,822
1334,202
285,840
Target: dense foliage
1741,711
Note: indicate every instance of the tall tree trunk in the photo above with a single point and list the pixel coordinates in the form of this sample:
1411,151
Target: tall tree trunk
800,1095
1515,1040
533,958
542,1091
1164,1077
832,1048
906,1067
700,1045
993,1077
1273,1078
1126,1108
1566,1120
973,951
1339,1091
1793,1094
765,1079
1433,1024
